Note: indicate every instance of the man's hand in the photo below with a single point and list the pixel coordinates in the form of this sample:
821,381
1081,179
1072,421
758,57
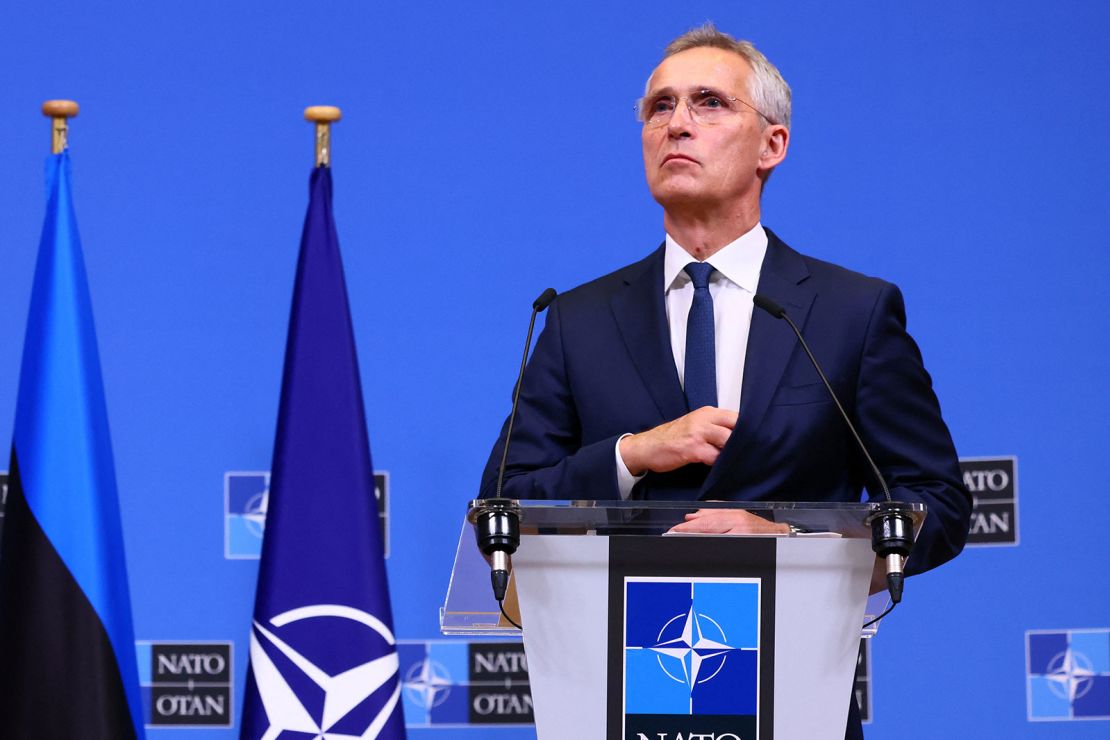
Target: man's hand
696,437
728,521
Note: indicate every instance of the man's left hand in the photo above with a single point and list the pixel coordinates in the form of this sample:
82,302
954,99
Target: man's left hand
728,521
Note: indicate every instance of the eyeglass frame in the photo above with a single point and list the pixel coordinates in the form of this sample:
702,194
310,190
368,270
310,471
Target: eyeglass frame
708,92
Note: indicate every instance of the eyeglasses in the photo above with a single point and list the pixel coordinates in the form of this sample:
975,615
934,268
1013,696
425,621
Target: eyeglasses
706,107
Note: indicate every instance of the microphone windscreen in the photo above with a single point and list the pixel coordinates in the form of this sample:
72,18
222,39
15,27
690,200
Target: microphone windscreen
544,300
768,305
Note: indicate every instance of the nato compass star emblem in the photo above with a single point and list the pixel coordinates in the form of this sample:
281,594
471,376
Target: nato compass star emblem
427,684
343,692
254,513
1070,675
692,658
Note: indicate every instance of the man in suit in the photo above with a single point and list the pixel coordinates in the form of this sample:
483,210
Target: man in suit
663,381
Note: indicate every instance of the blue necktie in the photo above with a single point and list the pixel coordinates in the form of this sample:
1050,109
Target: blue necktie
700,375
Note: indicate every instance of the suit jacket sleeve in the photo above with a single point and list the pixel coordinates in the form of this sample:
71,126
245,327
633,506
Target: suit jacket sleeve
899,418
547,457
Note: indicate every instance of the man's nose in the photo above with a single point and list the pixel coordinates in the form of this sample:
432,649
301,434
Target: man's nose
682,120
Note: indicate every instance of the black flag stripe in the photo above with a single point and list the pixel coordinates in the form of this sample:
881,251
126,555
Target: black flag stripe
59,678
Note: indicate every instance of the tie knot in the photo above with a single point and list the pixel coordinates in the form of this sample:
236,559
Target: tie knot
699,272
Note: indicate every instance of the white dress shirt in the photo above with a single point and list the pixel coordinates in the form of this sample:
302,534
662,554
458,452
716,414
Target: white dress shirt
732,286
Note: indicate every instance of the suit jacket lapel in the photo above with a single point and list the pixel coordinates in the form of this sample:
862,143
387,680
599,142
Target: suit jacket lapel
782,278
647,335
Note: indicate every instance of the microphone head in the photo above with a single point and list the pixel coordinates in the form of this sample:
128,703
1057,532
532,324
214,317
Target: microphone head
769,306
544,300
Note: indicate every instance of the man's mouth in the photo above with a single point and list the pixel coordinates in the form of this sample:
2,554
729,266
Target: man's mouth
676,157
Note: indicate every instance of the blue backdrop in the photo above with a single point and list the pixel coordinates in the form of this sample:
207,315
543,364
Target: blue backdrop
489,150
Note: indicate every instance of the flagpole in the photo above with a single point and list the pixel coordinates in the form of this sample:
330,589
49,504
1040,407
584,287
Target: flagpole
323,116
59,111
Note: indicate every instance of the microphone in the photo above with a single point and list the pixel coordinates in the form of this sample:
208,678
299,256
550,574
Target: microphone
543,302
498,526
538,305
891,524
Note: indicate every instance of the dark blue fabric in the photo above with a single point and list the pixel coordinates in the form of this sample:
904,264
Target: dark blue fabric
700,366
603,366
322,552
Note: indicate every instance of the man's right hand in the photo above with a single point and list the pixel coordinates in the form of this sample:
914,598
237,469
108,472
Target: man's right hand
696,437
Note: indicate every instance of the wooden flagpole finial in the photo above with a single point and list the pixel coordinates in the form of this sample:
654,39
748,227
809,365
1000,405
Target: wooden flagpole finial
323,116
59,111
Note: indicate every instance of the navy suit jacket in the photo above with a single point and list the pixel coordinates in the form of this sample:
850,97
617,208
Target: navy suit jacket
603,366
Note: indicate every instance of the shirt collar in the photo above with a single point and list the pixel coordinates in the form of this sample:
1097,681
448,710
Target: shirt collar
739,261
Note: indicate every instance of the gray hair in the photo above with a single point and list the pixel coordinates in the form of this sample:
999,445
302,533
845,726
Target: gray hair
768,89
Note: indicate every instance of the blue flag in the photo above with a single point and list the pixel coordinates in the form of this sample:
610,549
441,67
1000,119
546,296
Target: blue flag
67,646
323,658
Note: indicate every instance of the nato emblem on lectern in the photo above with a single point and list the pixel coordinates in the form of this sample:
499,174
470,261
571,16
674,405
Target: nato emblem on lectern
246,498
307,686
691,657
1067,674
992,483
186,684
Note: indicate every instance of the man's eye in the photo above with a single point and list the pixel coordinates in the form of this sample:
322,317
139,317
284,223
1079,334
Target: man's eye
662,105
711,102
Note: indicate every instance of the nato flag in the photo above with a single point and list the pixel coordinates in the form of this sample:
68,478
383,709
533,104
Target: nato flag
67,647
323,659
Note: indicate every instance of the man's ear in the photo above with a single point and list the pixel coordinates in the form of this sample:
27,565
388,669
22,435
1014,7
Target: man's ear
776,140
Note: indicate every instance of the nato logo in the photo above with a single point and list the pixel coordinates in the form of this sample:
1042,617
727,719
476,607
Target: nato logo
1067,674
992,483
328,693
185,684
459,684
434,683
691,656
246,498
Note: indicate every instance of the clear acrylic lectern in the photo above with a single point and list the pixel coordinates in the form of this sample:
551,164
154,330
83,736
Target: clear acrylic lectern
632,631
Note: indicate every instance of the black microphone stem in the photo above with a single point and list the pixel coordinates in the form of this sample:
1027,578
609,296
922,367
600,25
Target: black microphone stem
516,399
539,305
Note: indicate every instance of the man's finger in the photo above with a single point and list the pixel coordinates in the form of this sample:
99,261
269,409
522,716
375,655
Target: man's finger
717,435
703,526
715,415
707,453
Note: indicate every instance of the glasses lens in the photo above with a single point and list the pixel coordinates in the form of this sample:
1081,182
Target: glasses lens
657,110
709,106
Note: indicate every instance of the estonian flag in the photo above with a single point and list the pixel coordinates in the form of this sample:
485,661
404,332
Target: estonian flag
67,646
323,658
